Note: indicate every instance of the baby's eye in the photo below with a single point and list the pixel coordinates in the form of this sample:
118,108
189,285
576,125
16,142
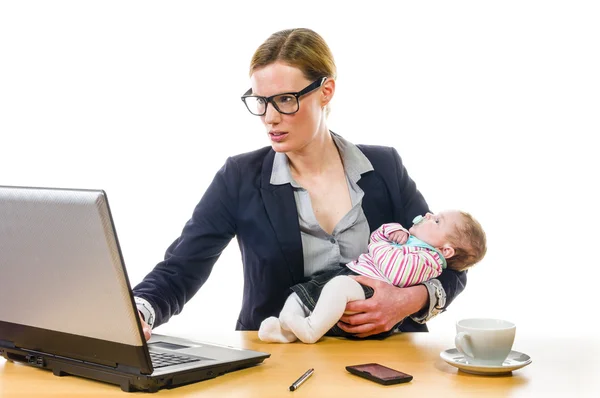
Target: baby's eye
437,220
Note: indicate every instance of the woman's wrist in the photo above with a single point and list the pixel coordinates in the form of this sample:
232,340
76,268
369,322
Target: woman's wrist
436,302
419,299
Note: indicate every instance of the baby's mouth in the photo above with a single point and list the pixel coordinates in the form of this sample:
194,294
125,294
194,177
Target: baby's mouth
418,219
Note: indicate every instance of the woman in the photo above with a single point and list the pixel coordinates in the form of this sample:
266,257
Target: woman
301,206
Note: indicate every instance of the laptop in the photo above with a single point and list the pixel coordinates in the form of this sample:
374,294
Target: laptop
66,303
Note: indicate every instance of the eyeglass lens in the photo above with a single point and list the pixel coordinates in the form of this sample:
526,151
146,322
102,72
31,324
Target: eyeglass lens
284,103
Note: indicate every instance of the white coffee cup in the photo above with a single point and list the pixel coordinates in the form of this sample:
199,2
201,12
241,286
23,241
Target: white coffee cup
485,341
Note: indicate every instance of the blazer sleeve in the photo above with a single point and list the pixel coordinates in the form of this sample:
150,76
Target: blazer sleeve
413,204
190,259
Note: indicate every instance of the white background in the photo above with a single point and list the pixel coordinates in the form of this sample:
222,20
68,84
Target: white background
493,107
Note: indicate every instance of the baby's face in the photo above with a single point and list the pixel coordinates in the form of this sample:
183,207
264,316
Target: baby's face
435,228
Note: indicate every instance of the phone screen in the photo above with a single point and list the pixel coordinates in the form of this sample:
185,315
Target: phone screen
380,371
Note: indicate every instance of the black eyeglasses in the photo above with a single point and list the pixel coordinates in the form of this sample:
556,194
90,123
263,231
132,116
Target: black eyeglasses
286,103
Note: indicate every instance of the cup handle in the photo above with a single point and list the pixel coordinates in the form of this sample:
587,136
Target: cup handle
461,341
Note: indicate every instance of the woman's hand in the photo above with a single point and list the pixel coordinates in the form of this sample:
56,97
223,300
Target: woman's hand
388,306
145,327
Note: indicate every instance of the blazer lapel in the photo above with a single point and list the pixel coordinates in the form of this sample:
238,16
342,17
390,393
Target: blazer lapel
376,203
280,206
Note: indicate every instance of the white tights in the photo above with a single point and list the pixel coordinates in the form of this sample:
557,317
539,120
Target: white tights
295,321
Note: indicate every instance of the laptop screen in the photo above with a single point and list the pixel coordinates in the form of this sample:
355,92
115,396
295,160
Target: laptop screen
61,266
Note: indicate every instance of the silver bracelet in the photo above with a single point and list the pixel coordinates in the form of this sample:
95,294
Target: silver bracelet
437,300
145,308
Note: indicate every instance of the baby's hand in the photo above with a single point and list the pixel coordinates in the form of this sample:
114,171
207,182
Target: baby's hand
399,237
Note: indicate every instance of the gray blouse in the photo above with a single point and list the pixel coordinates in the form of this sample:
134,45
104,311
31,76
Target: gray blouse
350,236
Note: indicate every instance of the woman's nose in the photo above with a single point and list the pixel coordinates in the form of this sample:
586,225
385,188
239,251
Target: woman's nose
272,116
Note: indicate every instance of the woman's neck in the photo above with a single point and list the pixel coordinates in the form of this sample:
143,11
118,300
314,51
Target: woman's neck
315,158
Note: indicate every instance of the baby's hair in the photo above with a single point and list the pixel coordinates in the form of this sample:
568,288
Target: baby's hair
469,243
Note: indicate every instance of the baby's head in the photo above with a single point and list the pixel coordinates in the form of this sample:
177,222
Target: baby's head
456,234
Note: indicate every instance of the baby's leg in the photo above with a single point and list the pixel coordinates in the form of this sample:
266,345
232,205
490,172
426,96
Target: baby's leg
271,329
329,309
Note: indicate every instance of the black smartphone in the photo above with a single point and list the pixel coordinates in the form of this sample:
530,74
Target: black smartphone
379,373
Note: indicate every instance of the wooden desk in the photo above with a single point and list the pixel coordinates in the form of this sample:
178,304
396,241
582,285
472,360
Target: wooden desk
564,367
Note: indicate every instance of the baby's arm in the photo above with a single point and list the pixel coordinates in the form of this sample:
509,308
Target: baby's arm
406,266
392,232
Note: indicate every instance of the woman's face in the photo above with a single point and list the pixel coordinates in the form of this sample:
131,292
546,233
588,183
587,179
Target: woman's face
291,133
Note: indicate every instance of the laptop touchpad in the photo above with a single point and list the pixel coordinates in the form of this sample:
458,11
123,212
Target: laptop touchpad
168,346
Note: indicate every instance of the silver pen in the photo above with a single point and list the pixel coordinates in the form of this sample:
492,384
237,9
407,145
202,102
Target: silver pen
301,379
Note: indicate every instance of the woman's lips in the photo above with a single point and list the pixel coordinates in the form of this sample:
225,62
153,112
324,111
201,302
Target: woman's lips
277,136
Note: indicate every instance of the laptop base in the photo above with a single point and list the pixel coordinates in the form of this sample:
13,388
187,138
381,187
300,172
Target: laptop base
129,382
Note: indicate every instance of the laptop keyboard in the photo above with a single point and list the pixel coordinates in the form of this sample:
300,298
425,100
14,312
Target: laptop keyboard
162,359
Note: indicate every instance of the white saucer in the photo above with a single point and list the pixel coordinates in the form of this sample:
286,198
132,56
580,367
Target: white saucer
516,360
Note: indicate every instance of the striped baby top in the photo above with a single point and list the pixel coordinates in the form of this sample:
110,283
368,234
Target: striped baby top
401,265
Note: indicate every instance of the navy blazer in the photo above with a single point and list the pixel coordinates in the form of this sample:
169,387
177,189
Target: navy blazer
241,202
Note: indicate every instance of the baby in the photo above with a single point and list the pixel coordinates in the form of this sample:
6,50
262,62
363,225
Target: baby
401,257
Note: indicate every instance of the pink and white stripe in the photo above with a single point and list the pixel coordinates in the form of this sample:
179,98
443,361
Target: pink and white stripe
401,266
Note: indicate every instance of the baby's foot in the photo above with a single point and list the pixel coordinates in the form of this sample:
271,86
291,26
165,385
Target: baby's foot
270,331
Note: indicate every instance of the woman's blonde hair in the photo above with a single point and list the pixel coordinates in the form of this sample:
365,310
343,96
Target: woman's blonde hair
301,48
469,243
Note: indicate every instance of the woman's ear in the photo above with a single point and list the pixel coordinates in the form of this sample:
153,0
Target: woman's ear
447,251
327,91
